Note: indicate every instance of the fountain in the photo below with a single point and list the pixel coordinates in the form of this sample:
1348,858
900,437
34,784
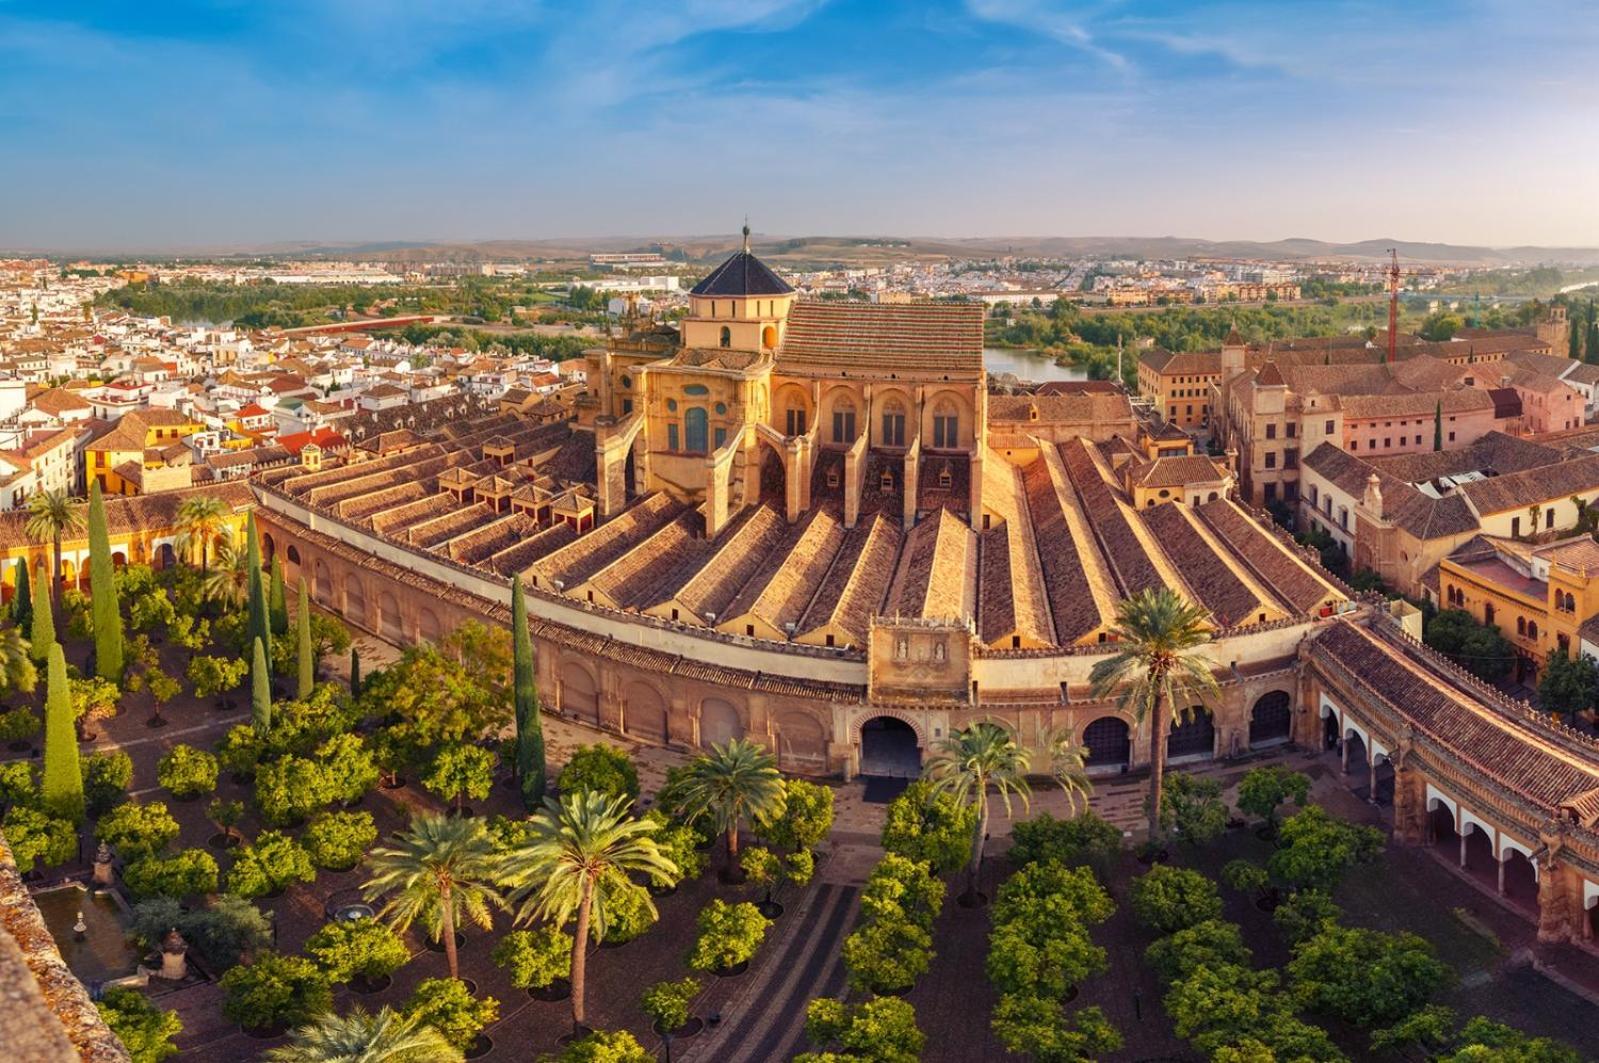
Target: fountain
90,930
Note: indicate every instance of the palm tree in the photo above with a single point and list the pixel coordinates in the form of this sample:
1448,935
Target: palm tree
203,522
1068,765
969,762
362,1037
727,784
52,515
578,860
230,579
1159,664
440,870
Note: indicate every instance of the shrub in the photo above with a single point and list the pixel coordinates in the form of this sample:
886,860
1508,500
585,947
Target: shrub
290,789
187,772
226,814
631,913
1246,876
227,930
926,825
447,1006
188,874
1304,914
364,948
729,934
605,1046
1192,806
1084,837
275,990
679,843
1211,943
1232,1012
268,865
351,769
239,752
535,958
106,778
39,839
1363,976
1039,1028
459,771
806,819
887,954
881,1030
336,840
1263,789
145,1030
18,784
136,830
667,1003
1315,849
903,887
1169,899
17,725
601,768
1506,1043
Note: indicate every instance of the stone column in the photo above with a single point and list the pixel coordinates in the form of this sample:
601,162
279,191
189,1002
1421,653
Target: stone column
1411,825
1371,775
1552,921
1462,848
1500,870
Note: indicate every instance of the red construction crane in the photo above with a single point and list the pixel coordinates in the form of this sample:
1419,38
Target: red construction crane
1393,304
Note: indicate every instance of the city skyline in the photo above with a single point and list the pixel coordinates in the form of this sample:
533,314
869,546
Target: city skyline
354,121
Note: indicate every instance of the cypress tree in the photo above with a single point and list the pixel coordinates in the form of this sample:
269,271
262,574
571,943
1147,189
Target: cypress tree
258,625
307,655
1438,426
278,603
103,593
530,767
355,672
1574,339
43,635
260,692
22,600
62,785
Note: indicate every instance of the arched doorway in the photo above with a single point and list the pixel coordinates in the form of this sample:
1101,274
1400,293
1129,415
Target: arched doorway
1271,719
1520,877
165,556
1109,743
389,622
889,748
322,584
1193,737
1441,826
801,742
354,601
269,549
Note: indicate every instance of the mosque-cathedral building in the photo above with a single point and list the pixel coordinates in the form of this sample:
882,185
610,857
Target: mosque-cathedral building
816,525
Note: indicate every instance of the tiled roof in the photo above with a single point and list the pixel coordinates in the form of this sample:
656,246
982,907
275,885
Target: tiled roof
914,337
1520,490
742,275
1179,471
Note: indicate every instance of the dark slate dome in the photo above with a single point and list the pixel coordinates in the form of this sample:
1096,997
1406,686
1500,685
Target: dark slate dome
742,275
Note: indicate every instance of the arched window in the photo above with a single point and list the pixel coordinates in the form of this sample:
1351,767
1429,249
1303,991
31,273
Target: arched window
794,419
1532,629
727,336
946,425
694,429
844,422
893,424
1521,625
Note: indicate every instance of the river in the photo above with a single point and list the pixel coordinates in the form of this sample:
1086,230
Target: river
1028,365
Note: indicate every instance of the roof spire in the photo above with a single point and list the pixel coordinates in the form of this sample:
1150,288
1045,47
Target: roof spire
746,234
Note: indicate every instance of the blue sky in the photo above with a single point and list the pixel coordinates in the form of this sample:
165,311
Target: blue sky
186,123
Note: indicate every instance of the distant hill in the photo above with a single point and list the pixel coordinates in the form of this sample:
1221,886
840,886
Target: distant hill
822,251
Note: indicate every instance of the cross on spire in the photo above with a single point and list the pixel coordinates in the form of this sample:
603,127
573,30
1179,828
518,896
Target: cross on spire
746,234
